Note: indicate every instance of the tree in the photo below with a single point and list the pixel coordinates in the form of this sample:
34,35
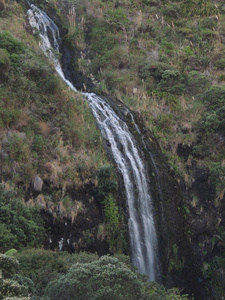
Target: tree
106,278
10,287
20,226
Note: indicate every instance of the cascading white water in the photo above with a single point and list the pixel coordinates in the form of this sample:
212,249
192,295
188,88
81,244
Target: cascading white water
125,153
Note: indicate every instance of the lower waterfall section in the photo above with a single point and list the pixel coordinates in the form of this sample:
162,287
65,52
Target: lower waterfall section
125,153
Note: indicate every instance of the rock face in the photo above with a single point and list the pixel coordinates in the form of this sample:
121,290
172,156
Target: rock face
179,265
2,5
79,229
37,183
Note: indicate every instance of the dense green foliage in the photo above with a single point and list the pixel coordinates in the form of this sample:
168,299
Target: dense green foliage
85,276
213,120
43,266
104,278
11,284
113,217
20,226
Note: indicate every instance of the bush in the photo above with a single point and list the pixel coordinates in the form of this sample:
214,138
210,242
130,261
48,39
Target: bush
214,98
167,48
43,266
12,288
172,82
213,119
18,148
8,117
113,224
195,8
217,175
107,183
4,65
196,83
39,144
208,35
106,278
102,38
221,78
12,285
220,64
154,70
8,265
171,11
209,23
13,47
21,225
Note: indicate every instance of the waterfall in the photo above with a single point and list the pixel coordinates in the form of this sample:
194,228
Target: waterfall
124,151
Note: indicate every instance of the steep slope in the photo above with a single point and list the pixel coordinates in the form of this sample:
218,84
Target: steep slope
165,60
51,150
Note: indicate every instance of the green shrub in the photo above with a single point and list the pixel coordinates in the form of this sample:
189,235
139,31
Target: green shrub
8,265
35,69
208,34
107,183
196,83
188,51
18,149
11,252
7,238
213,119
111,210
209,23
21,225
102,38
217,175
4,65
12,285
113,224
171,11
220,64
11,288
172,82
8,117
39,144
164,122
192,8
167,47
221,78
117,17
43,266
214,98
186,31
106,278
154,70
13,47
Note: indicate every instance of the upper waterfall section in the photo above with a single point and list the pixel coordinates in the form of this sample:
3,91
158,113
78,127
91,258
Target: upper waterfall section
50,39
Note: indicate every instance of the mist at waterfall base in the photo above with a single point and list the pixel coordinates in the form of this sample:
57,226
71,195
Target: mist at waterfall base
125,153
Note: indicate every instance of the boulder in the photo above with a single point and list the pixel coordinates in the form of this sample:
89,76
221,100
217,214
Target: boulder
37,183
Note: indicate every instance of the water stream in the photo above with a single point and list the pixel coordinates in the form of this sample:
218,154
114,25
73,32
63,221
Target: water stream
124,150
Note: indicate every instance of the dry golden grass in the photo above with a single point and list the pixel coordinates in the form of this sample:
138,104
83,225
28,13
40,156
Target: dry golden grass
45,128
23,118
94,8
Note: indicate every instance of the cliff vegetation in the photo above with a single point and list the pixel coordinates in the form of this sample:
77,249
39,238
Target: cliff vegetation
163,59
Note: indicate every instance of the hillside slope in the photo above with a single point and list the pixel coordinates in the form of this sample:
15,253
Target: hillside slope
164,60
